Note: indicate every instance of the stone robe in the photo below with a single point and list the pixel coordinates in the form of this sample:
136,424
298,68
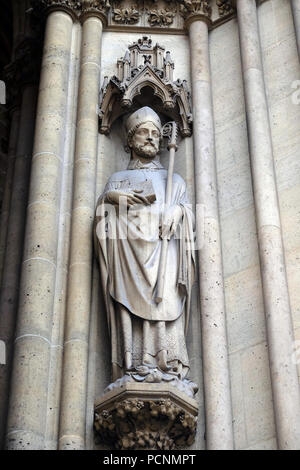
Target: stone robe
129,248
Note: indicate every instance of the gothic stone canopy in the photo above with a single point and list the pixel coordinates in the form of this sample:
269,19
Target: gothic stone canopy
145,71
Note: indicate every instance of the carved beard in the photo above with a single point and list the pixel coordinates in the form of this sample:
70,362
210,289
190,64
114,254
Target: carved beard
145,150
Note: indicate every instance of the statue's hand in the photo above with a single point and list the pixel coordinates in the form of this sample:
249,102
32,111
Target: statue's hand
170,220
130,199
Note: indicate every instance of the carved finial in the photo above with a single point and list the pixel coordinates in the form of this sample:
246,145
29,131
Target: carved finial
145,42
127,57
169,66
168,58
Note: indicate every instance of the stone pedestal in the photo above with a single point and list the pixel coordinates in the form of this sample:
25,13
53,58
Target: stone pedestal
146,416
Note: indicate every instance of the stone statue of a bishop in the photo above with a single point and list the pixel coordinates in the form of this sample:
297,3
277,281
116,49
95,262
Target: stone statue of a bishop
148,338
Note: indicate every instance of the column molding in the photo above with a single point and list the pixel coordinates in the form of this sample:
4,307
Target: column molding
271,251
295,4
76,340
217,394
22,78
63,248
29,385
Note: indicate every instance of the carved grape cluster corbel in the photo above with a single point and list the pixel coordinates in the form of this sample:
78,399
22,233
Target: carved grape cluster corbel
145,424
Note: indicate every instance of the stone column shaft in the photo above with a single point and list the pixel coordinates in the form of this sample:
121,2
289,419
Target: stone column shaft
15,239
219,433
285,384
75,368
28,398
296,15
63,248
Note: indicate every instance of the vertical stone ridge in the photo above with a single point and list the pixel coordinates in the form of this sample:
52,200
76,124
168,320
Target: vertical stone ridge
296,16
75,365
22,78
271,251
28,398
218,408
55,373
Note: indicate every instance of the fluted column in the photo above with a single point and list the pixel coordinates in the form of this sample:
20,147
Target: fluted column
296,15
28,397
219,432
75,366
285,384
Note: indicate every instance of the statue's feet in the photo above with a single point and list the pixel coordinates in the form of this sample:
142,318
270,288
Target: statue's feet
162,361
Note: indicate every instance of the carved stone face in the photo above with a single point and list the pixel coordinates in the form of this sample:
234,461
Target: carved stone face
145,141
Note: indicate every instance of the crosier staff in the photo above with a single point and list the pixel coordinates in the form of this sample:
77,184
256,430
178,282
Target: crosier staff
170,131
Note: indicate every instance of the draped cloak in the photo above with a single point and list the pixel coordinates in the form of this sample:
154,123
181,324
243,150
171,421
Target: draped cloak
129,247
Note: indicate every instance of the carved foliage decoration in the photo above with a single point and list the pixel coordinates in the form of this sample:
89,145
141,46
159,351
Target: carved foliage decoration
76,7
95,5
145,66
161,17
129,15
192,7
150,13
42,5
145,424
225,7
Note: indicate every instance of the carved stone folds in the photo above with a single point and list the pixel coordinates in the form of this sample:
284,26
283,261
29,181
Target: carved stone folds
145,66
146,416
